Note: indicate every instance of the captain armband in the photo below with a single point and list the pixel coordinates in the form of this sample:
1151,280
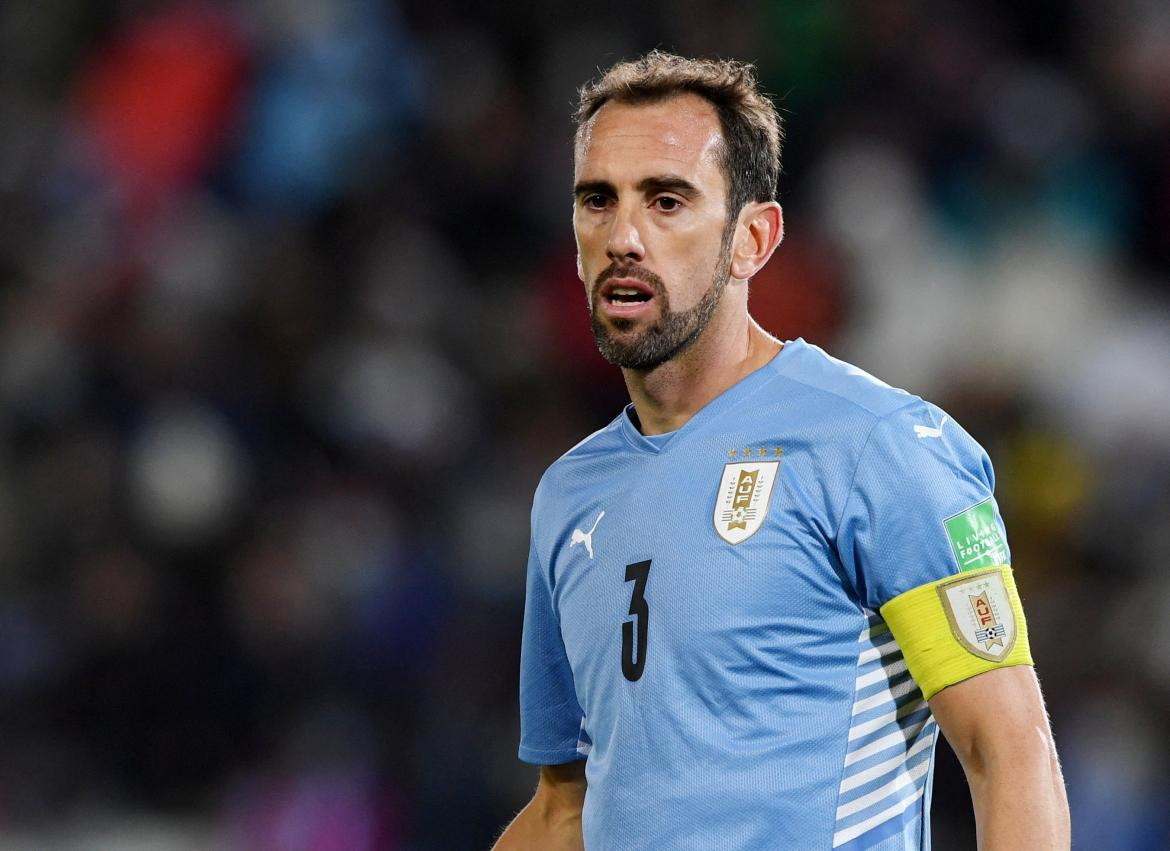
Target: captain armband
960,626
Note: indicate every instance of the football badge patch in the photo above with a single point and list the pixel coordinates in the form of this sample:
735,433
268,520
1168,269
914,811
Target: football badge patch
742,501
980,613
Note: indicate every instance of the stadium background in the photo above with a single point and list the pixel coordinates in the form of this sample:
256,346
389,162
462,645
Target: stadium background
290,329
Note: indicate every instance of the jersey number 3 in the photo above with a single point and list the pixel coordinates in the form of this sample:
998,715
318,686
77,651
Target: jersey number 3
632,666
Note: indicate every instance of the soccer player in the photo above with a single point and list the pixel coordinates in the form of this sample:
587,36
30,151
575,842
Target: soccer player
755,598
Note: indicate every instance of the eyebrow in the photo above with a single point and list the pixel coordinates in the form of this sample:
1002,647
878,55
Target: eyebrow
655,183
669,183
588,187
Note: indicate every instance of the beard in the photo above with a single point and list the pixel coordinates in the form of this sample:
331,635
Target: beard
672,333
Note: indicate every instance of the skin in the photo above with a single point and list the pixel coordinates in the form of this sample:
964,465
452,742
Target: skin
998,728
651,201
630,211
552,819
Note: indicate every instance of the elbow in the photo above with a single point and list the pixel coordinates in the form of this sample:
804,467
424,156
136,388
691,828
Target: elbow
1031,752
1026,769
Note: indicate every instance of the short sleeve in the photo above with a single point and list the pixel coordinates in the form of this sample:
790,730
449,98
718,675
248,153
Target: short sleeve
550,716
921,506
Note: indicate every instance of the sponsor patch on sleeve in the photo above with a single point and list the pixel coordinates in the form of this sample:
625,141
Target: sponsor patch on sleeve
976,537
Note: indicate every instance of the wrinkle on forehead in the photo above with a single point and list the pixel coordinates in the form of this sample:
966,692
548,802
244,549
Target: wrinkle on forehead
666,122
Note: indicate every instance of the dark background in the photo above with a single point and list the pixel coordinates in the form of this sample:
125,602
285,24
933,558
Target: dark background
291,328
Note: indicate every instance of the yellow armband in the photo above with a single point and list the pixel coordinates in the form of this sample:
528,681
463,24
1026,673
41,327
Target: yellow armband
955,628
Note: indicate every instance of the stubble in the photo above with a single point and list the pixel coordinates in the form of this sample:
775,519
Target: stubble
672,333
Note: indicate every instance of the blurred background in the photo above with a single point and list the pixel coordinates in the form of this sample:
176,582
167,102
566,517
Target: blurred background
291,328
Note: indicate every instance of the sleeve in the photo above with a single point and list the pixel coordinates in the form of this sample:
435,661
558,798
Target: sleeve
922,540
550,716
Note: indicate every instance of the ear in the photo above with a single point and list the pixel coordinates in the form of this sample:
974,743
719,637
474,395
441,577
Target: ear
760,229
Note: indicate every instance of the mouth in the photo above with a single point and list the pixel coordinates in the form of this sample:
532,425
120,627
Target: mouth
625,297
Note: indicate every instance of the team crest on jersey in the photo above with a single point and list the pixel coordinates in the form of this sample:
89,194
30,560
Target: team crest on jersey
742,502
980,614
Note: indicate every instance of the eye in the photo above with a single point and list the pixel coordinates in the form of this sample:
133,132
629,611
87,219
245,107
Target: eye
594,201
667,203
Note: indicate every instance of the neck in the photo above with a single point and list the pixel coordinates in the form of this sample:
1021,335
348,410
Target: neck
668,395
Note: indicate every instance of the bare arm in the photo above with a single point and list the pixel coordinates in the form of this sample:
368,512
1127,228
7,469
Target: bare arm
552,819
997,725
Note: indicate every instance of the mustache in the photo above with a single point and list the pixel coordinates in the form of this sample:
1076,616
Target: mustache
638,273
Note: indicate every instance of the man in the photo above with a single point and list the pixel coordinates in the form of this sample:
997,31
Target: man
755,597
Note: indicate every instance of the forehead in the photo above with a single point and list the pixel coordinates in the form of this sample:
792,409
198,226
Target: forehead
679,135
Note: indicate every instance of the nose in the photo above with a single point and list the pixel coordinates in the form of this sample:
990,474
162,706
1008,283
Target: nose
625,243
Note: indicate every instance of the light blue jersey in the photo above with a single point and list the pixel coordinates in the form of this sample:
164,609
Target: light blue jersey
700,620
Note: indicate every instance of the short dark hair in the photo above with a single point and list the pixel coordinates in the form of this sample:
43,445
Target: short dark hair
752,128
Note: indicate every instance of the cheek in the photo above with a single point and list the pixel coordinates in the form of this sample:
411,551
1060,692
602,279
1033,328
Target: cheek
591,254
590,235
698,265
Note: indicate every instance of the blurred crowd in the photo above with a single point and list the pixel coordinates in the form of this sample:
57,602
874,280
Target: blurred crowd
291,327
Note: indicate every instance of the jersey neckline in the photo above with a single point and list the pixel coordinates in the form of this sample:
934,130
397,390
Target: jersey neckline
730,397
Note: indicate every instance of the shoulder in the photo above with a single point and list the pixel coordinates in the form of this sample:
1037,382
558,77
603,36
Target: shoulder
602,446
839,386
865,415
572,471
833,404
